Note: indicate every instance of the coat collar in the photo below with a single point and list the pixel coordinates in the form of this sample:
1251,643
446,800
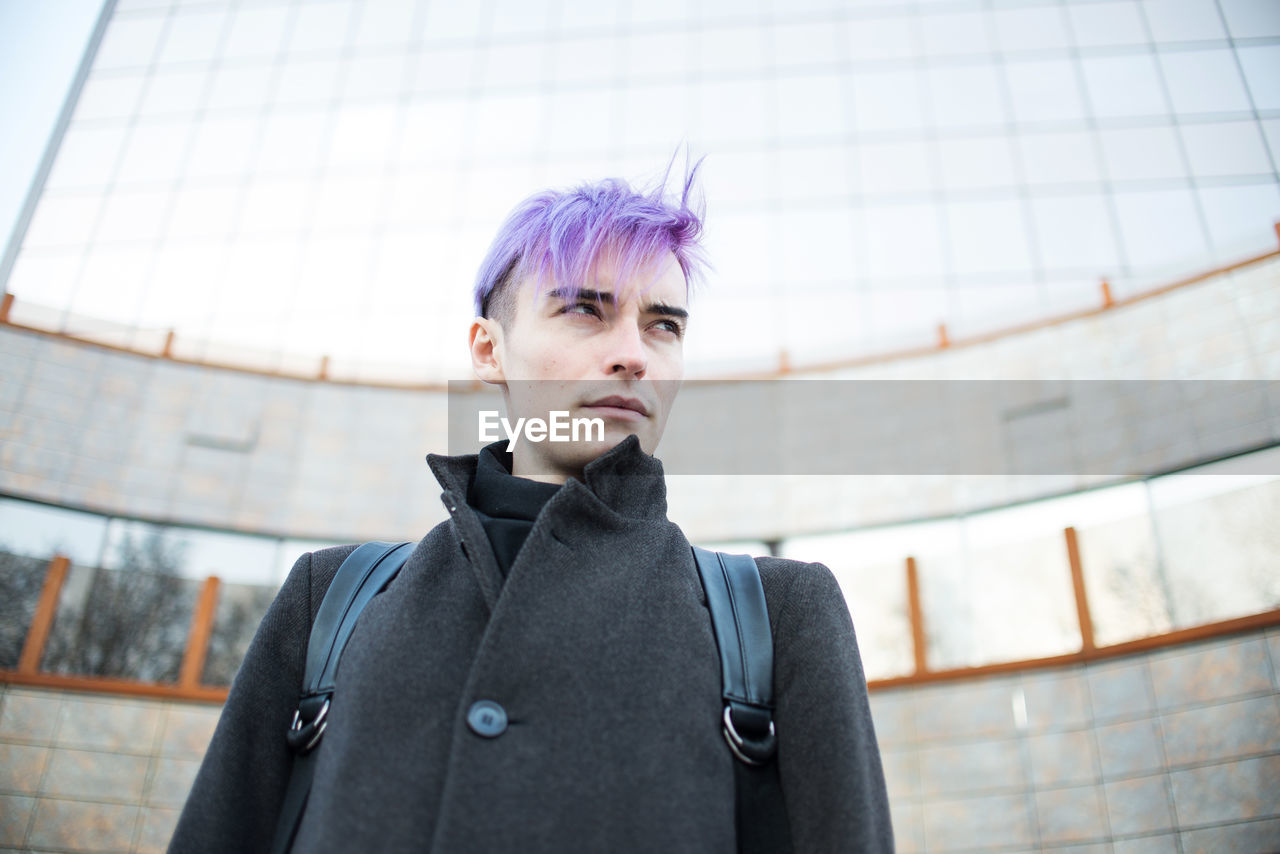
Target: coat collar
624,479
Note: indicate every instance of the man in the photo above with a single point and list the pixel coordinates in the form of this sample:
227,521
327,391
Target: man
542,675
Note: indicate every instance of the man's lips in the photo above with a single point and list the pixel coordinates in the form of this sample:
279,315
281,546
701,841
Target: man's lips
616,406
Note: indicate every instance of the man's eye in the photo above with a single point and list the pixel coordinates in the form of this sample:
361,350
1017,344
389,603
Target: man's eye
671,326
588,308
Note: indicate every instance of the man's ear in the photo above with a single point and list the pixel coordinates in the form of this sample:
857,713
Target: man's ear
486,344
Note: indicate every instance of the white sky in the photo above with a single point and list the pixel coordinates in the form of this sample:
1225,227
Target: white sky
40,43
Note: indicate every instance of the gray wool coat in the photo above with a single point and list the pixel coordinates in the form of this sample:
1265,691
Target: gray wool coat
598,646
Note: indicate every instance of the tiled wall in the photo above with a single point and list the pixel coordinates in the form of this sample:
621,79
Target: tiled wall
81,772
1174,752
135,436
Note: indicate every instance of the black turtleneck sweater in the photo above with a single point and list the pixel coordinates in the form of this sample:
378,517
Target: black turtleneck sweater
507,505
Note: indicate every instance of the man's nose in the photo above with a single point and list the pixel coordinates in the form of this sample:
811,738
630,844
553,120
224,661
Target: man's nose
626,351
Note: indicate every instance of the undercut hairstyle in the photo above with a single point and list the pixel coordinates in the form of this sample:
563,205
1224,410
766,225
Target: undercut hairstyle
556,238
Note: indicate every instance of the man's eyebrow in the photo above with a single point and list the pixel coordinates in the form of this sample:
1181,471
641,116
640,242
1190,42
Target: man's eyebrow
591,295
663,308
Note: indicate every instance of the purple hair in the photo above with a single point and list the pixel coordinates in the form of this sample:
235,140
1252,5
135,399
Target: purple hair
557,236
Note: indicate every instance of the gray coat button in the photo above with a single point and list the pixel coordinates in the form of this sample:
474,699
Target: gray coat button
486,718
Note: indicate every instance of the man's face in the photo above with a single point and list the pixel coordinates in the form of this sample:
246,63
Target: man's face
615,353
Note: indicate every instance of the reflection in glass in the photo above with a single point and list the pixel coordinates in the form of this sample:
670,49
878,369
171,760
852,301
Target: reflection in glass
1128,593
21,579
240,610
1218,540
128,623
999,602
41,531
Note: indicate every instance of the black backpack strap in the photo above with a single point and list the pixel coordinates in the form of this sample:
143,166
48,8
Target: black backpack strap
740,621
363,575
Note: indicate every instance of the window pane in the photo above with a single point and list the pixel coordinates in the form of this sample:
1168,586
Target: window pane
985,162
1009,598
522,16
966,96
455,21
387,22
799,44
130,623
1124,86
374,77
63,221
240,610
1226,148
885,38
240,88
954,34
1075,233
903,240
732,112
86,157
810,105
1204,81
310,83
1034,28
321,27
1059,158
988,237
176,92
108,98
504,66
817,246
21,579
112,284
256,32
1262,70
655,115
189,552
1183,20
1044,90
362,137
575,120
1137,154
222,148
661,54
1224,522
887,100
909,313
812,172
1160,229
133,215
727,49
1125,585
192,37
1252,18
894,168
204,212
744,247
1104,24
129,42
154,154
291,145
1241,219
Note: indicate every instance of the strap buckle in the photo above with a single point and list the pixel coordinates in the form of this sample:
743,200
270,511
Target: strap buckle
753,751
304,736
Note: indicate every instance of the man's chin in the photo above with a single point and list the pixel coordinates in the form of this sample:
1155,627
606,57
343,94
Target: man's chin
574,456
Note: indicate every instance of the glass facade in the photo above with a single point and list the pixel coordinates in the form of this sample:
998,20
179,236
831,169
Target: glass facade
280,180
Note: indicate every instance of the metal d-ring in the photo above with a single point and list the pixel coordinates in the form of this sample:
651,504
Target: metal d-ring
741,747
316,726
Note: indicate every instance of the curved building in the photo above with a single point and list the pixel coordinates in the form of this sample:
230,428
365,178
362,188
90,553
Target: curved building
1015,264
